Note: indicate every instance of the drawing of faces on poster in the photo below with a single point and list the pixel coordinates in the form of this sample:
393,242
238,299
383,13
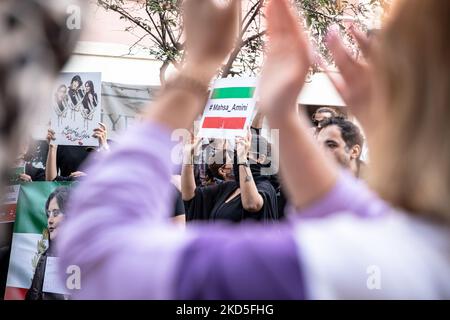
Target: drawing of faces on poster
76,108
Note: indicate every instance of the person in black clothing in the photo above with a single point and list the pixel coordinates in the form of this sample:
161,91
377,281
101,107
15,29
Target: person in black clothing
68,159
31,173
55,209
6,230
179,213
244,194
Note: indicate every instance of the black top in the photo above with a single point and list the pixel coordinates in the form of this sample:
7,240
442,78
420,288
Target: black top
37,284
70,158
209,203
4,264
179,205
36,174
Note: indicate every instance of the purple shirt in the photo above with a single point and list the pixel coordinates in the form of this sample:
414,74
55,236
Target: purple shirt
118,232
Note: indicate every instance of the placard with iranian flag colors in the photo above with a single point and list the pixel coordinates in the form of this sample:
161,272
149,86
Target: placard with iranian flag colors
30,237
229,109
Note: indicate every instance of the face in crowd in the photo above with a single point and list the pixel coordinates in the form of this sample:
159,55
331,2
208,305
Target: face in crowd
75,84
61,93
55,207
330,139
343,141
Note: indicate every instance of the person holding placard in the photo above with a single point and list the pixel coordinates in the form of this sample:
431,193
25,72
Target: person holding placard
244,194
354,240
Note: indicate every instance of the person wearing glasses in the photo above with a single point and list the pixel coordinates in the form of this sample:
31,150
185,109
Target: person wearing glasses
54,209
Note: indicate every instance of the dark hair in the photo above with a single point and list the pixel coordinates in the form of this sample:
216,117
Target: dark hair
91,84
349,131
326,110
77,78
215,164
322,110
213,169
61,194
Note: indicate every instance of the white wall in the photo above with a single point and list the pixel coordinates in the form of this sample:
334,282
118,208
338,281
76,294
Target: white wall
109,59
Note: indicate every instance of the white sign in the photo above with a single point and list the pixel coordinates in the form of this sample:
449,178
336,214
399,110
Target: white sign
76,108
12,194
229,109
53,282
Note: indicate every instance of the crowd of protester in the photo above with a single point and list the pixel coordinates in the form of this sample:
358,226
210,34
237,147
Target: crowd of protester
308,230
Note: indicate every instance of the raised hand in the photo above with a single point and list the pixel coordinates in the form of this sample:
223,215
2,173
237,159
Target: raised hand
50,136
25,177
353,83
210,31
287,62
243,145
101,134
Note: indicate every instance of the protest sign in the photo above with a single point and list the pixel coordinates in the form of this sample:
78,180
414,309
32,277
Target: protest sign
76,108
30,240
229,109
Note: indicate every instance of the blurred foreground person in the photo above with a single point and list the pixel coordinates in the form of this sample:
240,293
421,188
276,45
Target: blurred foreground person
353,245
35,42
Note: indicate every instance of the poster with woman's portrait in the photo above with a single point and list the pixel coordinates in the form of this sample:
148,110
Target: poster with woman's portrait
33,265
76,108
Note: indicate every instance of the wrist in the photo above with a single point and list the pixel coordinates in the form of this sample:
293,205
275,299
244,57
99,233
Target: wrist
188,156
201,72
283,120
241,161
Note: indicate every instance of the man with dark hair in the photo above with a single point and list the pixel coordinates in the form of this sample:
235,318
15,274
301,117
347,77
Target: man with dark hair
344,141
322,114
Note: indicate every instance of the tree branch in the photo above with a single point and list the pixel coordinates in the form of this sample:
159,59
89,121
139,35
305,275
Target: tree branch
249,22
152,21
128,16
235,53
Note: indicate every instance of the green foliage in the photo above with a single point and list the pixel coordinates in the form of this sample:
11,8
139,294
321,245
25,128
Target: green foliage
164,26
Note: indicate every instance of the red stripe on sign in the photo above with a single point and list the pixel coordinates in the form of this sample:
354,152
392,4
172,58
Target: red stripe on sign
13,293
223,123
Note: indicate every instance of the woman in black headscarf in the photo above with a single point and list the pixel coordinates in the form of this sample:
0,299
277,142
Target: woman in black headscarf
244,194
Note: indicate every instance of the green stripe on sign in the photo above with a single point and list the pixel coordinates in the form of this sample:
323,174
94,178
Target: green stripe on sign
30,213
233,93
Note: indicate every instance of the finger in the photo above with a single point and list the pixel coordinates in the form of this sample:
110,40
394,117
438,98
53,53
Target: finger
337,82
102,125
280,19
344,61
362,40
231,12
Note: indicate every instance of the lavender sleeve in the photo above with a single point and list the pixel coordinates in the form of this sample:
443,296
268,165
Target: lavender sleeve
116,229
118,233
349,194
